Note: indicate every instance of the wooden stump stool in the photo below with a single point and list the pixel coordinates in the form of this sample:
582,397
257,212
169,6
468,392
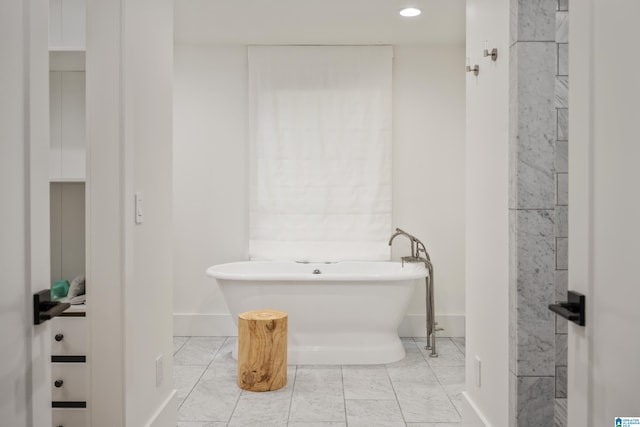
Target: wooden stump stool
262,350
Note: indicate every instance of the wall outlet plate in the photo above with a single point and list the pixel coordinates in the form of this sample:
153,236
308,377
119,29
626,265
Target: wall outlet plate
159,371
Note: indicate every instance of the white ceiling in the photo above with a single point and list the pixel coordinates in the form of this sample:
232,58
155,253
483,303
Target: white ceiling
318,22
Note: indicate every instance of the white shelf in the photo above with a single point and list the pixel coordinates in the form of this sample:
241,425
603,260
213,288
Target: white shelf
66,49
65,180
77,308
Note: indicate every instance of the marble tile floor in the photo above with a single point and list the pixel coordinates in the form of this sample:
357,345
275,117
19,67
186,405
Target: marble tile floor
417,391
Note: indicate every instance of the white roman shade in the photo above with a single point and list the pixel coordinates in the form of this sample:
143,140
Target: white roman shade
320,152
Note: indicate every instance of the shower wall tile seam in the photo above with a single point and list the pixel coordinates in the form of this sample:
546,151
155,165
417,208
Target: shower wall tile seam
532,20
562,131
534,403
532,209
533,41
512,44
561,215
535,376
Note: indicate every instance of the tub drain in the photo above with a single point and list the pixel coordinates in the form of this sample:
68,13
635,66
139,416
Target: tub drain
316,272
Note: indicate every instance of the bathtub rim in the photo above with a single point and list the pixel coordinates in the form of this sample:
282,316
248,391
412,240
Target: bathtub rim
414,271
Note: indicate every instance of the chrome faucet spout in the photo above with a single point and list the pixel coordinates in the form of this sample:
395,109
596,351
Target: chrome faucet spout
413,240
400,232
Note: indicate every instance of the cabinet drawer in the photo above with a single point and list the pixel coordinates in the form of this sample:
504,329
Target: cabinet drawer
70,418
74,382
69,336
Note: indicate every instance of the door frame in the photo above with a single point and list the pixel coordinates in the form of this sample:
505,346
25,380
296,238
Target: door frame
580,64
39,257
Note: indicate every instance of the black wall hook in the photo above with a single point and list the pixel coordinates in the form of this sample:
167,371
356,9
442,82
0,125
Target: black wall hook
573,309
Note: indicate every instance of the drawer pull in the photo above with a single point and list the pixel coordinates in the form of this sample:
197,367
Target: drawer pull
59,337
58,383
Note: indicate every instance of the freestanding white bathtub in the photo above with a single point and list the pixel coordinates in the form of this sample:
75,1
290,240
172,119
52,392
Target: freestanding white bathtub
339,313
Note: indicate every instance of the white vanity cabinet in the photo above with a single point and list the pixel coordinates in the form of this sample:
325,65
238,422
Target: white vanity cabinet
69,369
70,418
69,333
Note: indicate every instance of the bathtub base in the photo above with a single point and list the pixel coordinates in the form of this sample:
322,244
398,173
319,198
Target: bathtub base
386,349
344,313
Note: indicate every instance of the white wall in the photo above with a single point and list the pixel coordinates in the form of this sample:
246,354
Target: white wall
210,180
487,221
129,266
210,172
15,407
148,108
428,174
104,217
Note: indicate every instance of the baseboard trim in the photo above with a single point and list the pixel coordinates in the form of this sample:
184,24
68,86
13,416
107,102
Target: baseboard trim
204,325
167,414
413,325
471,415
208,325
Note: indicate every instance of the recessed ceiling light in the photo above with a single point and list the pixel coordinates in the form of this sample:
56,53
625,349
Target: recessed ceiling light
410,12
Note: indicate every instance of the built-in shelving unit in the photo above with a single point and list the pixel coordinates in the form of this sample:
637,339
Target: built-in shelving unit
67,30
67,173
67,154
67,122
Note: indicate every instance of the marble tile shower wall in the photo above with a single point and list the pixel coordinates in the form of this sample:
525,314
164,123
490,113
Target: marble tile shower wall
561,208
537,199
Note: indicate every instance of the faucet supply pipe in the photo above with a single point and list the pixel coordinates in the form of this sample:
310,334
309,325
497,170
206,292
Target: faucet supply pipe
418,248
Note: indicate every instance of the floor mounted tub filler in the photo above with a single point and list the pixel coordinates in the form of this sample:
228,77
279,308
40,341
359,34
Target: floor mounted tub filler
339,313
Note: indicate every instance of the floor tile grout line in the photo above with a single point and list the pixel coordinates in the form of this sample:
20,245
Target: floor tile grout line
344,396
214,354
197,381
395,393
457,346
203,372
436,376
235,406
181,345
293,389
442,385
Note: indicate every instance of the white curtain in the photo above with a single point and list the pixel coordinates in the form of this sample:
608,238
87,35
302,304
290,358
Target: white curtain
320,152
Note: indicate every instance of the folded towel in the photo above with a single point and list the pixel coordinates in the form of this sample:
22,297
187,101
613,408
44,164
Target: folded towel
76,287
